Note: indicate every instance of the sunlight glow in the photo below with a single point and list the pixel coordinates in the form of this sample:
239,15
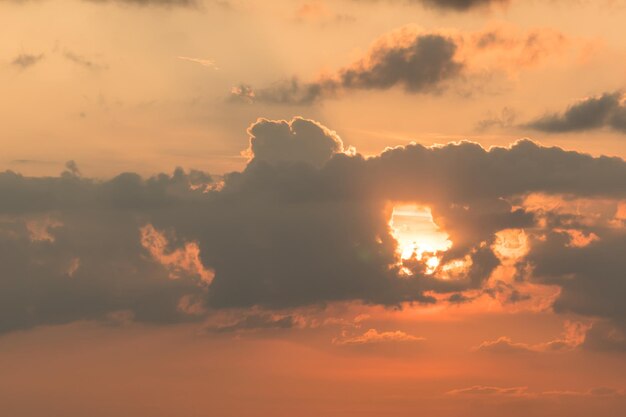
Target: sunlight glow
418,236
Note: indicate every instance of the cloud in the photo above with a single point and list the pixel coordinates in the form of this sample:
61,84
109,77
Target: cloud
606,335
318,12
304,224
24,61
419,62
505,119
454,5
485,390
298,140
590,277
606,110
504,345
573,337
82,61
256,321
373,336
490,390
461,5
204,62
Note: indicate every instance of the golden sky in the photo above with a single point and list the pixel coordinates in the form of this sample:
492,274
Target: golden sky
313,208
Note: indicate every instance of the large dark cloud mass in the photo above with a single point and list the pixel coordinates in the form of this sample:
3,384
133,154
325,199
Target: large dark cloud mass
606,110
302,224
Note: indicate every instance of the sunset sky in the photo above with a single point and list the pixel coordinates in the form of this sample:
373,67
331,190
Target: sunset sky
245,208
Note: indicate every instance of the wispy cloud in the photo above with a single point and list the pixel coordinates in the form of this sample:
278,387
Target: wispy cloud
82,61
373,336
204,62
23,61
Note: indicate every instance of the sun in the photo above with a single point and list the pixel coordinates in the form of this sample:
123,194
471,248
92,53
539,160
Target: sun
417,235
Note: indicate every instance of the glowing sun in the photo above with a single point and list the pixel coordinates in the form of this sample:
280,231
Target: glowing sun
417,235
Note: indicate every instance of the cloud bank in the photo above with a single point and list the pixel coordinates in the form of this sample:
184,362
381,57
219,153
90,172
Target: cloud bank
305,223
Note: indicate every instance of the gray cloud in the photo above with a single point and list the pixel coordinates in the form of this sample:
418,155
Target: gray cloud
255,321
591,277
24,61
606,335
419,63
460,5
303,224
606,110
82,61
299,140
451,5
505,119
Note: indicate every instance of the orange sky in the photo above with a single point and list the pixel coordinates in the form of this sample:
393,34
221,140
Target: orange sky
312,207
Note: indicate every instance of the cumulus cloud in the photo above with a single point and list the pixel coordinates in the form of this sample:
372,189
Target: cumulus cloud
299,140
605,110
305,223
417,61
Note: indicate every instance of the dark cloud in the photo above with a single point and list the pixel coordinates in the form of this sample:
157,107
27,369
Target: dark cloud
303,224
256,321
591,277
607,110
605,335
24,61
460,5
417,62
82,61
299,140
451,5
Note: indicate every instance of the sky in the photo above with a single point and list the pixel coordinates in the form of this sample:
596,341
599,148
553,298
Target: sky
215,208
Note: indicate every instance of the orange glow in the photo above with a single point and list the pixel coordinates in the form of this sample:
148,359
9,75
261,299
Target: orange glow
511,244
185,260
